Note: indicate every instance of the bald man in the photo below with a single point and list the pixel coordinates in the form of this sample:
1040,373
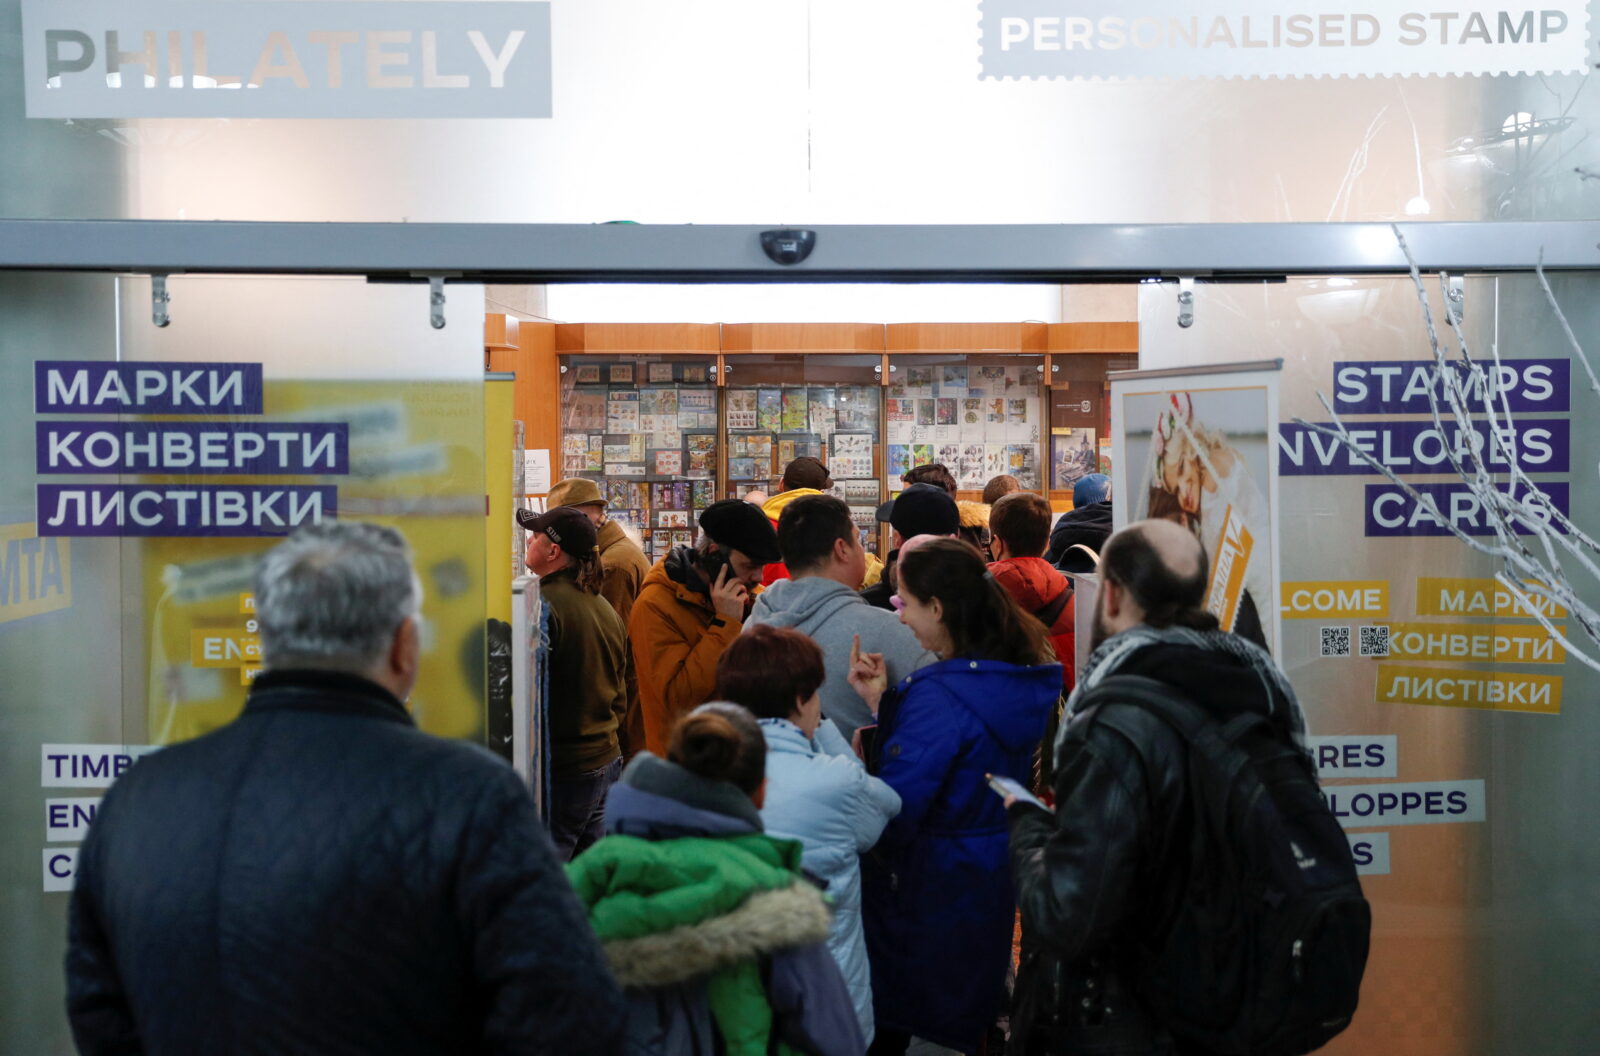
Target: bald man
1116,855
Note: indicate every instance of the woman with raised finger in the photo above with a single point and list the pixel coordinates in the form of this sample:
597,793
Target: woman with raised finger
937,900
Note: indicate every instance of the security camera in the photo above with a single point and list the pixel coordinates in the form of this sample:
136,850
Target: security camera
788,246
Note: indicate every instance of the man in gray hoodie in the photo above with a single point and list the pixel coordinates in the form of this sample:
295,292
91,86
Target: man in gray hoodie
826,561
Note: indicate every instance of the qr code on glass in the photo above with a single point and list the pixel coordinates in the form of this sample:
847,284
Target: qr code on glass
1335,641
1375,640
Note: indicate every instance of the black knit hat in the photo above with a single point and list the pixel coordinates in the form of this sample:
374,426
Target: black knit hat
739,525
922,509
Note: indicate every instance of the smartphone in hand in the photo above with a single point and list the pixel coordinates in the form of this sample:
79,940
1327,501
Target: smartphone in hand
1004,786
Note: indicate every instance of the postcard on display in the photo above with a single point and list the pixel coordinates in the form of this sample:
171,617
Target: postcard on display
919,380
636,447
769,409
995,411
1016,410
681,538
672,518
742,413
850,455
856,407
796,410
859,490
992,377
622,412
703,493
659,372
669,463
702,443
925,410
785,452
949,455
574,443
823,417
586,410
903,409
899,458
702,464
618,452
620,374
665,401
587,374
746,469
698,400
1073,455
969,471
921,455
953,380
996,460
944,410
864,517
596,454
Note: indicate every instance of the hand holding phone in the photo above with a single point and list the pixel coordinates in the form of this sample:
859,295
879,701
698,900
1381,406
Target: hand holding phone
1012,791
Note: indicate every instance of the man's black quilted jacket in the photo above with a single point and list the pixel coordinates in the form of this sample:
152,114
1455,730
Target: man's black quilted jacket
321,877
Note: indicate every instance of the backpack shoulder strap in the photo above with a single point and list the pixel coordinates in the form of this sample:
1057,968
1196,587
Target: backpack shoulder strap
1048,614
1079,546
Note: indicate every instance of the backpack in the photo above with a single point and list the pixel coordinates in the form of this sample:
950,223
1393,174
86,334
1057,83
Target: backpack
1268,942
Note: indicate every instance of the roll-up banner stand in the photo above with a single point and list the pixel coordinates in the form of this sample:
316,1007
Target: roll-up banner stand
1196,446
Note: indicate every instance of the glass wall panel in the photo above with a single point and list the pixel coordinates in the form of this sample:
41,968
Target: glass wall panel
152,468
645,428
1465,777
808,134
783,406
978,414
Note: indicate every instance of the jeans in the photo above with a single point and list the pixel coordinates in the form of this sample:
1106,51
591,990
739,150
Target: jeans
578,809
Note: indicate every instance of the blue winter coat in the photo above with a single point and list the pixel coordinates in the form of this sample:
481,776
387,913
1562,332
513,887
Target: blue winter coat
819,793
937,896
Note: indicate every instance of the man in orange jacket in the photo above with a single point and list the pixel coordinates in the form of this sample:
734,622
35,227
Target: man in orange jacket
690,608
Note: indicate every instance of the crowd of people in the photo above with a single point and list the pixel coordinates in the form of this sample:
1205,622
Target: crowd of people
773,822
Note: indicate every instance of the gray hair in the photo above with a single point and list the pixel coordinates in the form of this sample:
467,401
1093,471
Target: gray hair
332,595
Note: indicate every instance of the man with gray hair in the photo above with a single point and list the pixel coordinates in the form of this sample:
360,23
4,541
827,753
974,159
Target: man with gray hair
321,876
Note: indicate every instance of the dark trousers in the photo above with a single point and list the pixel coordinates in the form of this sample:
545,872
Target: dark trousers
578,808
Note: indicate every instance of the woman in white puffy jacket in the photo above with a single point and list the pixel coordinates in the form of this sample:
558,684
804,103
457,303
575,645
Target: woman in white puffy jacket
817,790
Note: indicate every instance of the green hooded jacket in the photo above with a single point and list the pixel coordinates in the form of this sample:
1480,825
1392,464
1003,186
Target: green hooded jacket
668,911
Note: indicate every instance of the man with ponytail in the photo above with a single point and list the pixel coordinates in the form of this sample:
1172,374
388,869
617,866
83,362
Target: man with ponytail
588,674
1100,882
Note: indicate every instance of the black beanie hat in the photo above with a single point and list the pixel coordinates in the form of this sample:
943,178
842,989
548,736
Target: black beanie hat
738,525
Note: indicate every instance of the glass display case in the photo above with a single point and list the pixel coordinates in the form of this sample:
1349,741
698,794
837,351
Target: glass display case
827,405
646,428
980,414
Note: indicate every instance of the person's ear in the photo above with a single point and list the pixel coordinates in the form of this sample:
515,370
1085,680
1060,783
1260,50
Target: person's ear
405,652
842,550
936,607
1113,598
759,796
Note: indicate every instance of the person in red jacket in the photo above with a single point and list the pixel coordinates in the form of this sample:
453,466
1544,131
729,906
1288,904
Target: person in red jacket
1019,526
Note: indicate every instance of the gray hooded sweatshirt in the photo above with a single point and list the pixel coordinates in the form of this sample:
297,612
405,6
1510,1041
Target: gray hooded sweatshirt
832,615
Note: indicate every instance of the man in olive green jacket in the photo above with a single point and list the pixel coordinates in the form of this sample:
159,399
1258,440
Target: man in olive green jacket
589,670
624,567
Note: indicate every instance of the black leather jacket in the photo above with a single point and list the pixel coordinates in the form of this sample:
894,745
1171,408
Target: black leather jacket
1107,869
320,876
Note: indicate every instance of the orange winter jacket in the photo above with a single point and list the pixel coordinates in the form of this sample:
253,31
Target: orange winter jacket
677,640
1037,586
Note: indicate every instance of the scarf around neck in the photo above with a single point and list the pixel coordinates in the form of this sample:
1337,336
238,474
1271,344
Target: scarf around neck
1115,652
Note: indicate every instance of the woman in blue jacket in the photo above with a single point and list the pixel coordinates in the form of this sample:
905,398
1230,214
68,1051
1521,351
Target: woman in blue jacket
818,792
936,892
